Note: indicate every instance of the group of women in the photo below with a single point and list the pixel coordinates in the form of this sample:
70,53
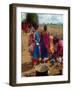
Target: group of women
43,46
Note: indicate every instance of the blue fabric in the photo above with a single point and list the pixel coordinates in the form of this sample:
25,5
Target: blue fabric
36,53
44,52
37,38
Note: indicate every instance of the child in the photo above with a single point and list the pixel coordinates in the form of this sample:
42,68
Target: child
51,46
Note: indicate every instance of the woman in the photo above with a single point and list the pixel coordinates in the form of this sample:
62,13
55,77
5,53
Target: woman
44,44
25,27
36,52
31,40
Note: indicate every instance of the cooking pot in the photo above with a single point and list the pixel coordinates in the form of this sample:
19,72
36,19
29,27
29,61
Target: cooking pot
41,69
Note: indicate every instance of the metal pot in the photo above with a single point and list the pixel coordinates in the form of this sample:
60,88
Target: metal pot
41,69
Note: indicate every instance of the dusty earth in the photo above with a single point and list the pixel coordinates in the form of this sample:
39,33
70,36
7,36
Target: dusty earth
27,67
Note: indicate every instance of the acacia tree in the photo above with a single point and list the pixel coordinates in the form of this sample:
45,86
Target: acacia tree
32,18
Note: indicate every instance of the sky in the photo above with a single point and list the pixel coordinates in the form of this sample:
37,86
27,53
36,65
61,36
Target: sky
47,18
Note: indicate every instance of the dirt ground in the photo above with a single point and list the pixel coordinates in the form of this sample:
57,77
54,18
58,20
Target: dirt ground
27,67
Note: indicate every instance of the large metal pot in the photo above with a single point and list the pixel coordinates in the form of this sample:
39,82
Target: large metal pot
41,69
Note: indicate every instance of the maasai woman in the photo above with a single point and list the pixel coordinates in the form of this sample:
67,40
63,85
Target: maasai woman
36,52
55,41
44,44
25,27
59,53
31,40
59,48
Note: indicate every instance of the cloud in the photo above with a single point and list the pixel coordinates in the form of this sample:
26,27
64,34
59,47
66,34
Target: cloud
50,18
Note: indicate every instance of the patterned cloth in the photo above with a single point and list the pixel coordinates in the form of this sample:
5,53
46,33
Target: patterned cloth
36,52
44,45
